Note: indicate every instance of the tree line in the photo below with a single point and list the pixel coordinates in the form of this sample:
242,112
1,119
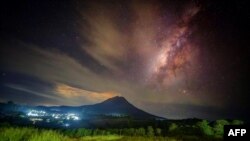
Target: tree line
201,128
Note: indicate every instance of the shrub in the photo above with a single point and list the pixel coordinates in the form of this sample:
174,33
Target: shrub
205,128
172,127
158,131
219,127
140,132
150,131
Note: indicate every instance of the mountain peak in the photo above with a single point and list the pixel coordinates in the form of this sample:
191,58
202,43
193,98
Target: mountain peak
120,105
116,99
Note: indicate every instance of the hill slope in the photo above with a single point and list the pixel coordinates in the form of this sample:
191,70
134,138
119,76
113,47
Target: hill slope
117,106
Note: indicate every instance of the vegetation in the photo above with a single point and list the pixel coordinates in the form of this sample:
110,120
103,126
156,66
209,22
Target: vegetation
218,127
172,127
205,128
29,134
201,130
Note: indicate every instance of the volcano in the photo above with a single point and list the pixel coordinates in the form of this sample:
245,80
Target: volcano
117,106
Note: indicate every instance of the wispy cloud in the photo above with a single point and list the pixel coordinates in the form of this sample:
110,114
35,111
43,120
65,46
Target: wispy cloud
71,80
74,93
21,88
68,75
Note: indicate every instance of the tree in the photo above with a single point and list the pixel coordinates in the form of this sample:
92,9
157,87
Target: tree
150,131
131,131
205,128
219,127
140,132
158,131
172,127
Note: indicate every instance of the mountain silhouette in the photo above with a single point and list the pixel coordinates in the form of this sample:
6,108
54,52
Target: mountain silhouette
117,106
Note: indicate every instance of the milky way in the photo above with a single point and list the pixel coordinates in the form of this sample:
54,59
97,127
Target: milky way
155,49
176,53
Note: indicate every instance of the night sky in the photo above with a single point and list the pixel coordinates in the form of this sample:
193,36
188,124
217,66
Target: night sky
176,59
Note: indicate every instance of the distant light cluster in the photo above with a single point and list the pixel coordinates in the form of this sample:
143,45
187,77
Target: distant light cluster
35,113
39,115
67,116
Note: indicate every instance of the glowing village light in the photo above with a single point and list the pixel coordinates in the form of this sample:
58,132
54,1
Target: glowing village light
76,118
35,113
30,114
72,116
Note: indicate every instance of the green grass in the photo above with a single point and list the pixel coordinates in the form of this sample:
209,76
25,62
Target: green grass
149,139
34,134
181,138
47,135
16,134
29,134
102,138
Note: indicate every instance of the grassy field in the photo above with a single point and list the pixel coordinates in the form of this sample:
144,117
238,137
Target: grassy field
128,138
34,134
101,138
198,130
